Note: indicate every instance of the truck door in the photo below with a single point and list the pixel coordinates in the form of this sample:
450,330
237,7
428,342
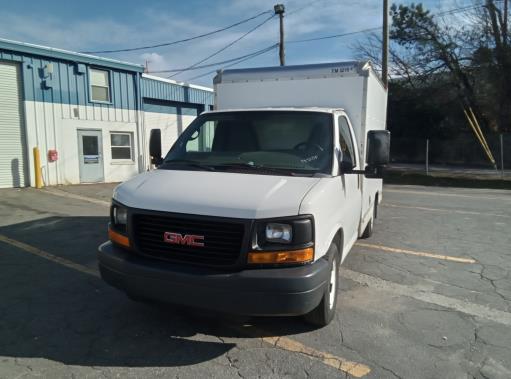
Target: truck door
351,188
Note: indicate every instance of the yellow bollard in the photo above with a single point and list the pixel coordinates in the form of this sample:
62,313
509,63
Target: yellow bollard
37,169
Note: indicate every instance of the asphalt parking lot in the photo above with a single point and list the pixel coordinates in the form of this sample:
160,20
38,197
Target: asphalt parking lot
428,296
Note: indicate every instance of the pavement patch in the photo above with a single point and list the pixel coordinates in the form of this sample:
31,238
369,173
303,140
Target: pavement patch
425,294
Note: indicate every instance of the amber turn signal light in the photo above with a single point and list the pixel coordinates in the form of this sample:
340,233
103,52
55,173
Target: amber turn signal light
118,238
275,257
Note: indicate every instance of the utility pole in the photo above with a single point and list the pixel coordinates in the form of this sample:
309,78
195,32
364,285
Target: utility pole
504,27
280,9
385,46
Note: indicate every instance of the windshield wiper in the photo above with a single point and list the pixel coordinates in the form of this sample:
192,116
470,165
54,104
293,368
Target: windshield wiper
259,167
187,162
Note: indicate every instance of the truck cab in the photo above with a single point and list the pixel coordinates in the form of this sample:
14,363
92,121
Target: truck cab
250,212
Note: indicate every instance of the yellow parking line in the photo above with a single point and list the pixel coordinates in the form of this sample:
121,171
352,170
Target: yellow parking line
416,253
355,369
43,254
444,210
434,193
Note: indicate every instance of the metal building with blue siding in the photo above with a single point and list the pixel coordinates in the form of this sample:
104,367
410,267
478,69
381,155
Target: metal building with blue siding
89,116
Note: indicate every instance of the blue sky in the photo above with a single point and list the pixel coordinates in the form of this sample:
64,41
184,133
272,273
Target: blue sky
97,25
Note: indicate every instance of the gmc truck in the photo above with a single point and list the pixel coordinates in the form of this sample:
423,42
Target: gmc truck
258,202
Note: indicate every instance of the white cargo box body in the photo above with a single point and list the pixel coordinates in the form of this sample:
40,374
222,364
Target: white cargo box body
351,86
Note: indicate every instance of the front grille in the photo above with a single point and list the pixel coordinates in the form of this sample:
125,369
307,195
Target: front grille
222,239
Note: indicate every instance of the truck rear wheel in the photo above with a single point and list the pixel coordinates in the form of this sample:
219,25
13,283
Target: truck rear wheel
368,231
324,313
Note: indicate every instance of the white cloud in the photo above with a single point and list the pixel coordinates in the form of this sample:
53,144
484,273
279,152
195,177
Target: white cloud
155,61
153,25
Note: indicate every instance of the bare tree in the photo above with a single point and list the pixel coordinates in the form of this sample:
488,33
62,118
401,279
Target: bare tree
466,47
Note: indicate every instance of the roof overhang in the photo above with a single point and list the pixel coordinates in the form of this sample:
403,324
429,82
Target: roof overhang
50,52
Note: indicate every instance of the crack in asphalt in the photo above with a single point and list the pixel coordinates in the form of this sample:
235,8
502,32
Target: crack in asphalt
492,282
231,361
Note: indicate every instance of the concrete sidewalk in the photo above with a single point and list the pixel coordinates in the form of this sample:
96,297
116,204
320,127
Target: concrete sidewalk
100,191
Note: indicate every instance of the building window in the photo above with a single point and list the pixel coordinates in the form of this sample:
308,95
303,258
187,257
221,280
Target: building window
99,85
121,146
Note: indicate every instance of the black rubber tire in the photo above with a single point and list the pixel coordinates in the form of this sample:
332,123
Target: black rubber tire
368,232
323,314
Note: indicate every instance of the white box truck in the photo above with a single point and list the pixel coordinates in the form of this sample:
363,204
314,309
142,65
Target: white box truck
258,202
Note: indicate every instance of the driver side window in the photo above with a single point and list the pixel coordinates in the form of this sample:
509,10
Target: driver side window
345,141
202,140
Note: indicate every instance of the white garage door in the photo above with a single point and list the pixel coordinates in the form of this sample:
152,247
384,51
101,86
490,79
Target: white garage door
171,118
12,135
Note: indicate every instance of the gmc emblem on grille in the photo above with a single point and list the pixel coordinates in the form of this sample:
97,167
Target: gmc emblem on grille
179,239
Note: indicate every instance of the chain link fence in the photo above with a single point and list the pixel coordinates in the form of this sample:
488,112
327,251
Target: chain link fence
463,151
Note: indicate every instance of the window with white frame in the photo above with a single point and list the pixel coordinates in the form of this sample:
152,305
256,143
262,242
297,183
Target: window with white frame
99,85
121,146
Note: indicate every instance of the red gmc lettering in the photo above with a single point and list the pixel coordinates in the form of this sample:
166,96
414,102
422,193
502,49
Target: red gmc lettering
179,239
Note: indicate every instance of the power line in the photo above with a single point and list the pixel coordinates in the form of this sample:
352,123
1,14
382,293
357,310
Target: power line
334,36
253,55
297,10
256,54
226,46
243,58
440,14
179,41
213,64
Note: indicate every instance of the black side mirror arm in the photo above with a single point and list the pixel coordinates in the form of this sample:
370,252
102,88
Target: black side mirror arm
370,172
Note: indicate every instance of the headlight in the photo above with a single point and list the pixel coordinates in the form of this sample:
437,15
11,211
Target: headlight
280,233
120,215
117,229
283,233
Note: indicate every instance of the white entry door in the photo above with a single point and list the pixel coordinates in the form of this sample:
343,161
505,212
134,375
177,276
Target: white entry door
90,150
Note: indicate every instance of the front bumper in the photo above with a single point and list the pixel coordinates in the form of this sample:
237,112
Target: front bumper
257,292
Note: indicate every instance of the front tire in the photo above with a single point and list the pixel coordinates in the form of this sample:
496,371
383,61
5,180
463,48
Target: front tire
324,313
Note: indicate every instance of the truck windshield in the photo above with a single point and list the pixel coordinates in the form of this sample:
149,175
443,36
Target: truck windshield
287,142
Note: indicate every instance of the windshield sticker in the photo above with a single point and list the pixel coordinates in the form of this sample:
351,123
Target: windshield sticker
309,159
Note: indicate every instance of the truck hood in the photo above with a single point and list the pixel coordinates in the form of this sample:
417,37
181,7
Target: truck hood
222,194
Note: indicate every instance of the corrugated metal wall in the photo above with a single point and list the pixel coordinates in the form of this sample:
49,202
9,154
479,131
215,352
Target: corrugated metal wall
71,90
57,104
155,89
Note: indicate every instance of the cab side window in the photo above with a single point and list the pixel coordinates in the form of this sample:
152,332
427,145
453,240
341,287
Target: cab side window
345,141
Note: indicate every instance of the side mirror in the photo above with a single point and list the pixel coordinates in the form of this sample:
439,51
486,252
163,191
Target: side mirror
378,148
378,153
155,146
